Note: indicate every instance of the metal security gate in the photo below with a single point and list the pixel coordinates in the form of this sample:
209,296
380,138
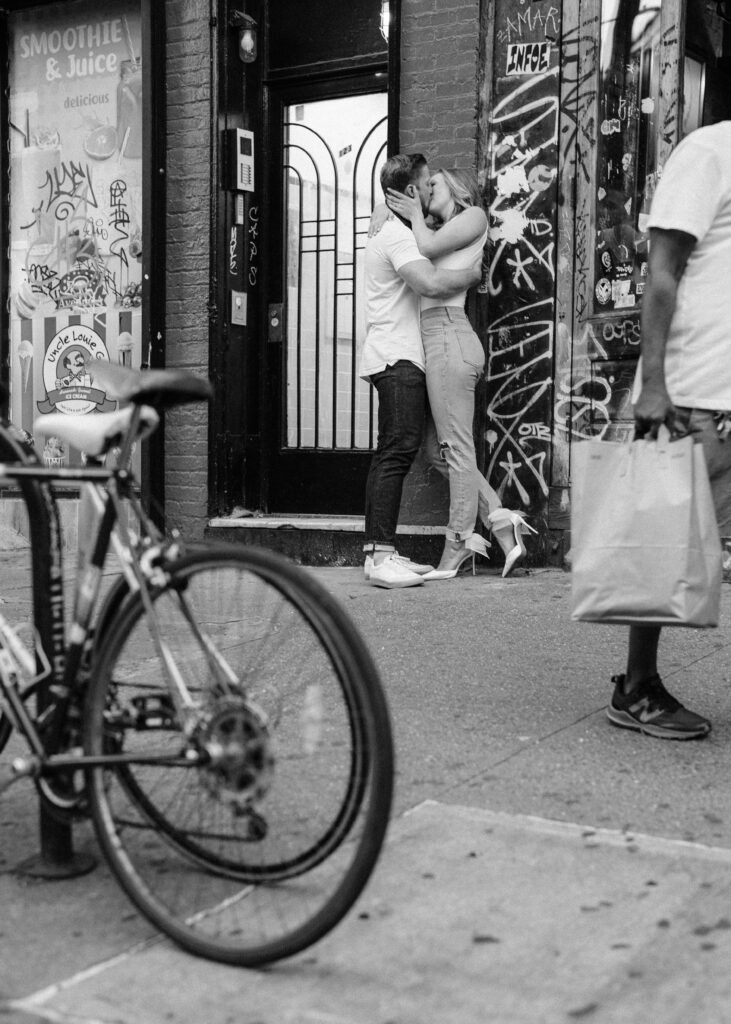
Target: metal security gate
333,149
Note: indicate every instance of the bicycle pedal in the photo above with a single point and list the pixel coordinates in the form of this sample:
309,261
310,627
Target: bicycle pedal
20,768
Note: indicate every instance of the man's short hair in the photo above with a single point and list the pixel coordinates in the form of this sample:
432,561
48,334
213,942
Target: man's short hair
401,170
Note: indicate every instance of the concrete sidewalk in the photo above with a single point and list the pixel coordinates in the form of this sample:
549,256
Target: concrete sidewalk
541,866
472,917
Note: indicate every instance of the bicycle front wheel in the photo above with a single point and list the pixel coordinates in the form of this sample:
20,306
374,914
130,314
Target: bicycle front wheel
246,825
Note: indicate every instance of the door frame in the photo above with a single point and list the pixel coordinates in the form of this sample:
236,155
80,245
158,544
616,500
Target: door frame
577,234
278,464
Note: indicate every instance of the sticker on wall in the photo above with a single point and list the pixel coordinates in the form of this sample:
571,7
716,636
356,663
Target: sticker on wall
622,297
528,58
68,376
603,291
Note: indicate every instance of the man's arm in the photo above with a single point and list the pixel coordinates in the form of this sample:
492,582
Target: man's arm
669,253
436,283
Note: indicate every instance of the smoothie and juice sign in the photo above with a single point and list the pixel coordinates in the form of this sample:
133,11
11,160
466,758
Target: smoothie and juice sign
75,196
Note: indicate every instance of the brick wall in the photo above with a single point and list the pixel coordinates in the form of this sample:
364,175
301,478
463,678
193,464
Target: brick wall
439,51
438,116
188,257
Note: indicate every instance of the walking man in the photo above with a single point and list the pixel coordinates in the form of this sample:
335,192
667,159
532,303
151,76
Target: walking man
396,274
685,375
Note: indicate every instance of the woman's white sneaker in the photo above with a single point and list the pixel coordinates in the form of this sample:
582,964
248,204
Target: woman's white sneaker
392,573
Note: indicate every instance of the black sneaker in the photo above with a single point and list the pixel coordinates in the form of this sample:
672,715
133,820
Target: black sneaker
652,710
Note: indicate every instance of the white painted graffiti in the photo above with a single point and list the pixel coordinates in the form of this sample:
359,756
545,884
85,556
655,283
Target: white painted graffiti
528,23
233,253
534,430
520,178
582,408
519,370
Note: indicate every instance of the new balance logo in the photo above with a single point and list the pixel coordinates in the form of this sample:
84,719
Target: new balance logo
644,711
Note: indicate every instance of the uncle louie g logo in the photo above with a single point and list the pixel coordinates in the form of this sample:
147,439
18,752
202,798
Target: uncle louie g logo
67,377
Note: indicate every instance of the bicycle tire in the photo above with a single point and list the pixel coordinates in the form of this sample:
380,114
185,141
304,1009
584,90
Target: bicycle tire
246,882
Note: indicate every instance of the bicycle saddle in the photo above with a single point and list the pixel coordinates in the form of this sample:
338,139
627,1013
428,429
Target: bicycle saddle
160,388
96,434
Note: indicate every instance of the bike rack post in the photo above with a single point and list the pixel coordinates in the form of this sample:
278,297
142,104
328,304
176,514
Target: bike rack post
57,858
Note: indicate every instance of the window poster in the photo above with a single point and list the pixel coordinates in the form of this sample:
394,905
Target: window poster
626,163
75,111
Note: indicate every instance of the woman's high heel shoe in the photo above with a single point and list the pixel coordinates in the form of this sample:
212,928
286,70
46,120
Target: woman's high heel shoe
508,528
454,556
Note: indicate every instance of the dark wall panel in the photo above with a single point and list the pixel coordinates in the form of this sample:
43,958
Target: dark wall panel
329,30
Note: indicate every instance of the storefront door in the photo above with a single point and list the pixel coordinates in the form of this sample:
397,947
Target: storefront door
327,146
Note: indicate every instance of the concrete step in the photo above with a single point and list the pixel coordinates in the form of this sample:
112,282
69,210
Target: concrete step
321,540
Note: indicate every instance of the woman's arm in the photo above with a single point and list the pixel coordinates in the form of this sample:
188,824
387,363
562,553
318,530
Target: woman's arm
457,233
379,216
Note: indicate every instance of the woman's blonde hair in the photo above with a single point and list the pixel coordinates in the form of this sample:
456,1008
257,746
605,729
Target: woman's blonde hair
462,186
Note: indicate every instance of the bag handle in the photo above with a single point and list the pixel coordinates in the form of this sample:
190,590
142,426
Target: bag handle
664,438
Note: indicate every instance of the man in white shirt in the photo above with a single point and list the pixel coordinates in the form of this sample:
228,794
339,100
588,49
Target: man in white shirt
396,274
685,375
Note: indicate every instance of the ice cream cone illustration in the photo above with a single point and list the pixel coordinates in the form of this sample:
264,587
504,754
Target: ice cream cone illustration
25,357
124,349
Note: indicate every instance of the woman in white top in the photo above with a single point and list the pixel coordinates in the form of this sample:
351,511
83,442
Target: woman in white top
454,363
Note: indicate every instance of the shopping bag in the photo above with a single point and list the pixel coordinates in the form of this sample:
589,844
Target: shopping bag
645,547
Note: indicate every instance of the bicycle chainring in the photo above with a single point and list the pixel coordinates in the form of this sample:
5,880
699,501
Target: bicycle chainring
239,761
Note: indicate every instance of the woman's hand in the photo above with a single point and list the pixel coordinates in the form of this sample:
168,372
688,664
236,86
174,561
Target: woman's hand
408,207
380,215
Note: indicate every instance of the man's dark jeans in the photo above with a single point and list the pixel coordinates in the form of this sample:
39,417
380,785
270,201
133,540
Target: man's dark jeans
402,405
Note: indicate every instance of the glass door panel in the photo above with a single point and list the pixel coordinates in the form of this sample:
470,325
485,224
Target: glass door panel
333,152
627,165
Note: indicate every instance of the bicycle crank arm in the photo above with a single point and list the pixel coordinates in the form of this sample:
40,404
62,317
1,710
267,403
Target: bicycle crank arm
63,762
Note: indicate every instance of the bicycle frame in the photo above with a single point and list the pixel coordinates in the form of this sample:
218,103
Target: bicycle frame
57,678
59,661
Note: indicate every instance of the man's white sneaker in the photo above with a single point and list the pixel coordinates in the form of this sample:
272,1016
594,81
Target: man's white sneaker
390,573
416,567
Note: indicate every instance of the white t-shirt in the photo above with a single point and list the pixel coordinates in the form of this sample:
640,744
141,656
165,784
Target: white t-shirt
460,259
392,308
694,195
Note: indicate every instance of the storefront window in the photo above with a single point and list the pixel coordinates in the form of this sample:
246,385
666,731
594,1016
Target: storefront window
626,155
75,112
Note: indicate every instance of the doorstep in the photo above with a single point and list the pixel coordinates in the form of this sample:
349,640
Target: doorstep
321,540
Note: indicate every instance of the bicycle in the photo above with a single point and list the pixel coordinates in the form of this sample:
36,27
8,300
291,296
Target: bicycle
216,713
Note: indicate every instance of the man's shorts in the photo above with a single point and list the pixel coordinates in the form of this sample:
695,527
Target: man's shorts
713,431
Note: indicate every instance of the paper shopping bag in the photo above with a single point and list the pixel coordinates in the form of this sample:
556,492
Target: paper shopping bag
645,547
